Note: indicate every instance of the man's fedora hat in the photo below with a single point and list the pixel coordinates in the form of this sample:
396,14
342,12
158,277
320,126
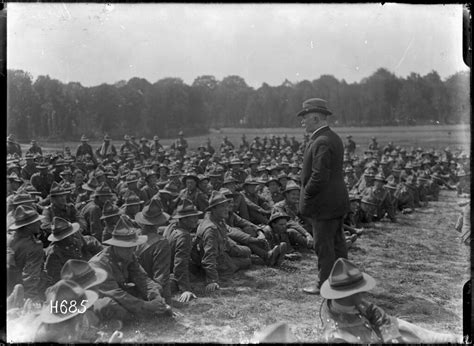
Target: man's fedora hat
152,214
66,291
125,235
29,189
61,229
314,105
346,280
84,138
57,190
25,215
278,215
186,208
82,273
109,210
216,199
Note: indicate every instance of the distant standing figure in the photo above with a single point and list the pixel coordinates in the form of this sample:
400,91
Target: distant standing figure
35,148
351,145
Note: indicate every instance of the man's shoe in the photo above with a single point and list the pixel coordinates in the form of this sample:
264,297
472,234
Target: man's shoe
281,257
311,290
272,256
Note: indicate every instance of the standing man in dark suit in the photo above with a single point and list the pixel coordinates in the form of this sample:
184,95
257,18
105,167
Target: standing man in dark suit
324,197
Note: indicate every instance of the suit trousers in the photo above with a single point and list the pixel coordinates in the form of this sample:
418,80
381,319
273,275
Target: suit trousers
330,244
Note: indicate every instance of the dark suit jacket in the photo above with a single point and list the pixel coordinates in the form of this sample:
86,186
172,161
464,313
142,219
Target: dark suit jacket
323,194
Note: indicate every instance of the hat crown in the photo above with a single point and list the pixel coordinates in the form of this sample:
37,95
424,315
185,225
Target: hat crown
103,189
59,225
153,209
24,213
186,206
21,197
344,274
109,209
77,271
225,191
277,215
65,290
124,229
315,103
132,198
291,185
217,198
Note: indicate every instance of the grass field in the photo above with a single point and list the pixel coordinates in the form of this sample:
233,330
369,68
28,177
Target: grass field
419,264
435,136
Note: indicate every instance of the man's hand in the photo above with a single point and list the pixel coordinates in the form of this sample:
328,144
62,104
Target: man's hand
310,242
259,241
186,297
212,287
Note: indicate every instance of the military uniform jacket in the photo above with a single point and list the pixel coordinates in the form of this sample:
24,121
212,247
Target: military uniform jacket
92,214
323,192
56,255
155,256
42,183
25,257
213,244
180,244
240,206
368,326
118,274
234,220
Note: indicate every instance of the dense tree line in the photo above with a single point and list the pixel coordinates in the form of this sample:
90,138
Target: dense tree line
47,108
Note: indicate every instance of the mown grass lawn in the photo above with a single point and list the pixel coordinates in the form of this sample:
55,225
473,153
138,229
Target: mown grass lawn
419,263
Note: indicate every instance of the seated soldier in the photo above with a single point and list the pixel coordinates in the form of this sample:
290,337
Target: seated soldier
179,236
382,197
258,208
348,317
405,197
273,192
276,234
128,293
25,254
110,216
155,255
298,229
246,233
214,251
150,189
67,243
368,208
191,191
83,198
92,211
168,196
240,206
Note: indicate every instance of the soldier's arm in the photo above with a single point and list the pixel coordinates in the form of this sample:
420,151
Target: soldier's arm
209,259
92,245
150,288
32,271
385,325
245,225
52,267
181,261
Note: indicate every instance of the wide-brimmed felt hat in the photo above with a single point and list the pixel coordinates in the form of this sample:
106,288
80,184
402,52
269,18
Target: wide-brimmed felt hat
216,199
67,171
57,190
369,201
21,198
83,273
84,138
29,189
13,176
61,229
125,235
272,178
236,161
190,174
132,199
109,210
66,291
346,280
226,192
102,190
278,215
229,178
132,177
380,177
251,181
291,185
91,184
171,189
186,208
314,105
25,215
152,214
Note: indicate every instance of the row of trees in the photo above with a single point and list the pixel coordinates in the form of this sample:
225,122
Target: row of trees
49,109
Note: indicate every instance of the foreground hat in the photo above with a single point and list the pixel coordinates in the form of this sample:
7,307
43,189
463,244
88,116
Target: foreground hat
125,235
152,214
186,208
66,291
25,215
216,199
314,105
61,229
345,280
82,273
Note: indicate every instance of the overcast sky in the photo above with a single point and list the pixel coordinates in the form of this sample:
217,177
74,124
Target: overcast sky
99,43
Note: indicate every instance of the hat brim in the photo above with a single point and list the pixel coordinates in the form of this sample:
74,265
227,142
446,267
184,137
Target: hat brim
173,194
103,217
196,213
134,203
47,317
218,203
367,284
161,220
100,276
87,187
279,217
313,110
75,227
20,225
122,243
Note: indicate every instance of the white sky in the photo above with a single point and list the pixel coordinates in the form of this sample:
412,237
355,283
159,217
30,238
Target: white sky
99,43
